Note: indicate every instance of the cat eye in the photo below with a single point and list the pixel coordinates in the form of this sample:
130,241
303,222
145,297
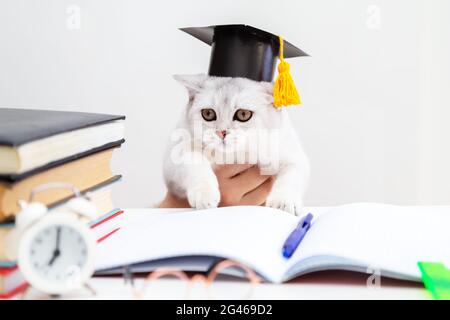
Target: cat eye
209,114
243,115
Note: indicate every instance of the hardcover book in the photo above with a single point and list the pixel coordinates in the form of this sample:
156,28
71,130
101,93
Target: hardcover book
32,141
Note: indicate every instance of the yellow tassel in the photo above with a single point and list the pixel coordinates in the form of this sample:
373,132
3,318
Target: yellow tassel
284,90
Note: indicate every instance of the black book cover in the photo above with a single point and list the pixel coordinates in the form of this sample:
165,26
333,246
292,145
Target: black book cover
20,126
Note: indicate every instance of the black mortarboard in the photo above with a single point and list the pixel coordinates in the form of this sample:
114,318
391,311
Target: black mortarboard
239,50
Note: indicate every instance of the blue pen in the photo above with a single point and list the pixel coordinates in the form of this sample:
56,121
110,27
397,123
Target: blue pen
296,236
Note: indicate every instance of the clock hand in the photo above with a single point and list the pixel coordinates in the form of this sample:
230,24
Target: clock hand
58,238
55,255
56,252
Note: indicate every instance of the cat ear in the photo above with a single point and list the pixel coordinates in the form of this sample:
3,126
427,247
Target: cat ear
193,83
267,87
267,91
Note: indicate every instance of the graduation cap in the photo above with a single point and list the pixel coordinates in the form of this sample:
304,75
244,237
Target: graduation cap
239,50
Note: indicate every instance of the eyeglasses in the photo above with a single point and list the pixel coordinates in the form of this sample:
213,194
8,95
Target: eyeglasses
214,289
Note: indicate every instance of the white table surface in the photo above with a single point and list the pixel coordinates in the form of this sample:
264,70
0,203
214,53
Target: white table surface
319,285
323,285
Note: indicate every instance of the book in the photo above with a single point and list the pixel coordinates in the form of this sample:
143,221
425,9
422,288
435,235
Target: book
85,173
11,282
32,141
5,229
372,238
102,200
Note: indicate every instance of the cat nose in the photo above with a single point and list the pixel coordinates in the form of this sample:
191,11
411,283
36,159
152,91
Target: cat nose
222,134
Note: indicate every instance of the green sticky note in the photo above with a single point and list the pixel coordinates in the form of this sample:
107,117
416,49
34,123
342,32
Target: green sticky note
436,278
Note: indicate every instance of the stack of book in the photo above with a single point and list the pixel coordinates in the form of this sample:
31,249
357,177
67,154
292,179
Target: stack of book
38,147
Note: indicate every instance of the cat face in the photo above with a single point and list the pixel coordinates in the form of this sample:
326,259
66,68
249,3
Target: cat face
228,111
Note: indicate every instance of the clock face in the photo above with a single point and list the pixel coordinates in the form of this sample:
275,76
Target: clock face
56,254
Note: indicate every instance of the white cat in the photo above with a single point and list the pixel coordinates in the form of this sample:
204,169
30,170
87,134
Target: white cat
220,121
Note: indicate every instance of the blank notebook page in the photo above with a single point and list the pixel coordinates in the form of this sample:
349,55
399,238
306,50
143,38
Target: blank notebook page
387,237
251,235
355,236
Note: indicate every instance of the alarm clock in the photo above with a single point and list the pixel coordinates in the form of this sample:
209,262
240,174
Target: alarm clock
54,249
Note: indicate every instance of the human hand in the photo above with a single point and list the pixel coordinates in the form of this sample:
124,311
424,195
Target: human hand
242,184
239,184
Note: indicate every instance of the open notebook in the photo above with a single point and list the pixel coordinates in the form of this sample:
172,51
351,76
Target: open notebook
357,237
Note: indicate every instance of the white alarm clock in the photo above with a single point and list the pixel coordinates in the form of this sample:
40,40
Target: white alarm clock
54,250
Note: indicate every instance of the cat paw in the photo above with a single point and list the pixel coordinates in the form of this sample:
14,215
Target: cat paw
204,197
286,203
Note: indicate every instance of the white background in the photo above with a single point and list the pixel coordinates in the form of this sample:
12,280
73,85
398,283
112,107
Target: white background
376,102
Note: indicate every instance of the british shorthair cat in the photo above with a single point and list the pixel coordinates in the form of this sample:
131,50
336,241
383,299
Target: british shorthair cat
233,120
